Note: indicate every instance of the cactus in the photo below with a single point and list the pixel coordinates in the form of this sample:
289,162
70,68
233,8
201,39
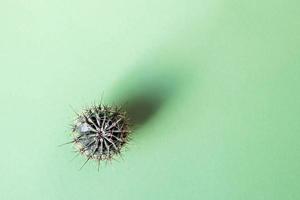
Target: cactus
100,132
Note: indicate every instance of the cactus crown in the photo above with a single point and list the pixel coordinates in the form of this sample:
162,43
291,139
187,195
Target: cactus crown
100,132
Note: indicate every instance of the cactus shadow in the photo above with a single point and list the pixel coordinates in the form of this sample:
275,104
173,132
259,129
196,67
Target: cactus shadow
147,88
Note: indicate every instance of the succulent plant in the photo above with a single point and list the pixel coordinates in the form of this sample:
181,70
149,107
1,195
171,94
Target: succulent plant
100,132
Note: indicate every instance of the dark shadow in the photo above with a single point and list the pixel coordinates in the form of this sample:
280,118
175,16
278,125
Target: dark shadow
148,88
140,109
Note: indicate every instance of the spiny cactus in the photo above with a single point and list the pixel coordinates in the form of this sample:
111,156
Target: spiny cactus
100,132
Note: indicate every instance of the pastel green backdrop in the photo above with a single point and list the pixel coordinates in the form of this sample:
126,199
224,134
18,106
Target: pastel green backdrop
225,75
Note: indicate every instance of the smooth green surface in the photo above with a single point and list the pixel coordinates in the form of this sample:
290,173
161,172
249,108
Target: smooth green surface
227,72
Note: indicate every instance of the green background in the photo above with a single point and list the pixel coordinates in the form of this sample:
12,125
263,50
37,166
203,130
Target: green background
224,76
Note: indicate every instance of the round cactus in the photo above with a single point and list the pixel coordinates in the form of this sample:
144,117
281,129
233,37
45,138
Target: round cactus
100,132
